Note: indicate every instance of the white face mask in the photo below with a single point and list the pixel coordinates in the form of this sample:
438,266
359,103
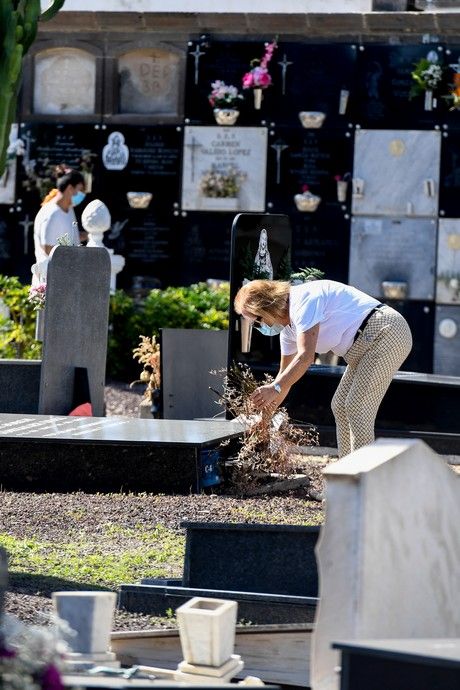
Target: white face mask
269,330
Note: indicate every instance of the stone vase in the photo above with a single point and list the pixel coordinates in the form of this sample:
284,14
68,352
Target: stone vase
90,615
257,98
226,116
207,630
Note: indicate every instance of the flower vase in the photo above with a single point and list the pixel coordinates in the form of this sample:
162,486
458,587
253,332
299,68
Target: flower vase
342,186
226,116
257,98
40,325
428,99
88,177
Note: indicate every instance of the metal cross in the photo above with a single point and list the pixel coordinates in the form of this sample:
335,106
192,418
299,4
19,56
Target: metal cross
26,223
284,64
279,147
192,146
197,53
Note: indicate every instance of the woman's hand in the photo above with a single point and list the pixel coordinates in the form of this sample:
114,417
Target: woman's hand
265,397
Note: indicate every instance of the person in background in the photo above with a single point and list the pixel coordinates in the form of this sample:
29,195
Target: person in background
322,315
57,217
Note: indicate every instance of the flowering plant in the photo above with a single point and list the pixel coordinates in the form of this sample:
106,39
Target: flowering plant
217,184
454,95
37,296
31,657
147,353
427,76
258,76
224,95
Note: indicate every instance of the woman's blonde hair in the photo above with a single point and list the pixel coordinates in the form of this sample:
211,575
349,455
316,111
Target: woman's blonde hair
261,298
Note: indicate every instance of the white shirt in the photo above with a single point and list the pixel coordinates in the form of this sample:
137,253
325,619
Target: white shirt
338,309
51,222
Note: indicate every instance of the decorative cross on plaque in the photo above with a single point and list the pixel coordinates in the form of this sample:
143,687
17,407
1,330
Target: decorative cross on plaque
279,147
193,146
284,64
26,223
197,53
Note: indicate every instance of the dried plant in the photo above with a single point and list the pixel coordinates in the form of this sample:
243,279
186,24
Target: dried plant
147,353
270,440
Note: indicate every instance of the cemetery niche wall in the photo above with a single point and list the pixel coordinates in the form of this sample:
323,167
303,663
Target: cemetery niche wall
339,118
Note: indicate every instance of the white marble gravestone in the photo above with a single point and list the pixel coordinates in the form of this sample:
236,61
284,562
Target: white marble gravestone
396,173
448,264
224,169
64,82
389,551
149,81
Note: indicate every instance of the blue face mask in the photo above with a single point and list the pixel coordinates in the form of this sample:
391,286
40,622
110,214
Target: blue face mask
78,198
269,330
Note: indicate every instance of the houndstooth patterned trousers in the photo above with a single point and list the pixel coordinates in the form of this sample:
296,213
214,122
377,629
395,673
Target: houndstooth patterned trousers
372,360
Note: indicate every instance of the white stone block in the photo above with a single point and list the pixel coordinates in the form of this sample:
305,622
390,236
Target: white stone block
389,551
90,615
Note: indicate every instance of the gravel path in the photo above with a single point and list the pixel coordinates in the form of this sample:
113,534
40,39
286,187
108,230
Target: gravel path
48,518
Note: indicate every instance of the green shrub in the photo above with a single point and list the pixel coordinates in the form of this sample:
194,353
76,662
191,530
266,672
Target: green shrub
17,333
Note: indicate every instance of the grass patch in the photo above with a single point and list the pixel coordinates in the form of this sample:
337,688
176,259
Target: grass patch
117,555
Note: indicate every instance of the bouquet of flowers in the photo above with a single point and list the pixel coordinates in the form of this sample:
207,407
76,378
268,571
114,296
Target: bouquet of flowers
258,76
37,296
31,657
427,76
216,184
224,95
453,98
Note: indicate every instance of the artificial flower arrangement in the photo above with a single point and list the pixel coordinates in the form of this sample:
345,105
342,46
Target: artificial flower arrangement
259,77
224,95
216,184
427,78
31,657
453,98
147,353
37,296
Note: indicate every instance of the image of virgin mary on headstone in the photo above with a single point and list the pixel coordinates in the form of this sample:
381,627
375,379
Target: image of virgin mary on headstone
263,267
115,154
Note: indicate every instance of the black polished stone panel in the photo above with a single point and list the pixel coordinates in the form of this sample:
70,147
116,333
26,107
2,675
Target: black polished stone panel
202,242
314,77
400,664
53,453
449,183
277,559
383,87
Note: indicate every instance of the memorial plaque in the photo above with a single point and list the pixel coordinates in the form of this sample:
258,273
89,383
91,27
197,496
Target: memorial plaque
396,173
149,82
64,82
383,85
448,261
447,340
326,85
224,169
396,251
202,248
321,240
316,158
449,191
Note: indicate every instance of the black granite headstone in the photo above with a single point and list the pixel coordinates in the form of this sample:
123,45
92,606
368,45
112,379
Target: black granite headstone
276,559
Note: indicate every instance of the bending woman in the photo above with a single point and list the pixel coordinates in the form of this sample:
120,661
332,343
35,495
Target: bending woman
321,316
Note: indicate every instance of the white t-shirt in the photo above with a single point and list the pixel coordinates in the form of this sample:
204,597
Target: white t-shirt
339,309
51,222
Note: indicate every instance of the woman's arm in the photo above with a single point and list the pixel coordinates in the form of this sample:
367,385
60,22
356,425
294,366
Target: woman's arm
292,368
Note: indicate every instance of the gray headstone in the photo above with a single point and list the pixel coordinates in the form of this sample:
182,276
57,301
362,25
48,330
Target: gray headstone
76,325
187,358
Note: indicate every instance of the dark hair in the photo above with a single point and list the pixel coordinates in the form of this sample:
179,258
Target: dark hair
71,177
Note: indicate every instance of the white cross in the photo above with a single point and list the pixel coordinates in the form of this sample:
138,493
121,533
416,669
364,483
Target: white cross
279,147
284,64
197,53
26,223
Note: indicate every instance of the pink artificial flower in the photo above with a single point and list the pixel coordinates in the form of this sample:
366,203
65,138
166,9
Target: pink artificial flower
304,188
51,679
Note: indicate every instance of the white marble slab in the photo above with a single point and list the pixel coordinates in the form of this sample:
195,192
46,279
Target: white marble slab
389,551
